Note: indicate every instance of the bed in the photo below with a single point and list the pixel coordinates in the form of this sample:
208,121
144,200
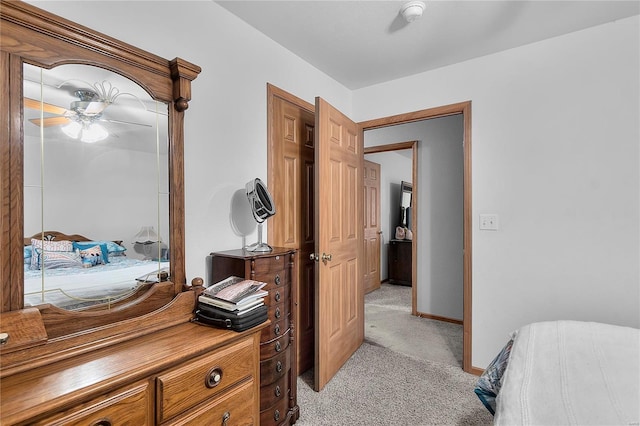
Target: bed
565,373
75,272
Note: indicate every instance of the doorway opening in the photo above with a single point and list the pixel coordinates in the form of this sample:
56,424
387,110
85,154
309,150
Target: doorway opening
463,109
397,156
294,232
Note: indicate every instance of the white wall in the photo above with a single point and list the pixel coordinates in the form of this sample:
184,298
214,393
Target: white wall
555,131
439,206
395,167
98,191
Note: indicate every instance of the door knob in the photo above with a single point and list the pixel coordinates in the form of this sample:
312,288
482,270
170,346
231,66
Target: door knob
326,257
314,256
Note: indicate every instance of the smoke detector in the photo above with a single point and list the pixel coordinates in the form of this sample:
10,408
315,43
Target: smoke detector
412,10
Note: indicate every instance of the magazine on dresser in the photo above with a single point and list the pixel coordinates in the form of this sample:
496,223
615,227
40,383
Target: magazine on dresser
235,294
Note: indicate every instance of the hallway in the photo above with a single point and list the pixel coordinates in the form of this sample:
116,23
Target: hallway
389,323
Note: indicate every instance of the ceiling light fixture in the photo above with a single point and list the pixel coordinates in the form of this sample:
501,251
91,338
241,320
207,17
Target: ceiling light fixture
87,131
412,10
87,111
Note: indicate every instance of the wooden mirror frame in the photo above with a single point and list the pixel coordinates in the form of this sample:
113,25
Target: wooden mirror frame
29,34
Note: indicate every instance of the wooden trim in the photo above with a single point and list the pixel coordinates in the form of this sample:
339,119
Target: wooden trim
179,310
389,147
415,208
272,93
441,111
463,108
476,371
439,318
22,21
467,247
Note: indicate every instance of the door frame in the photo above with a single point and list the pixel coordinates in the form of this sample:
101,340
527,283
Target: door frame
273,93
463,108
413,146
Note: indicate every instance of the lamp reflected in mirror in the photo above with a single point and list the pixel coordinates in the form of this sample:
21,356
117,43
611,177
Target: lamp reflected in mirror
148,243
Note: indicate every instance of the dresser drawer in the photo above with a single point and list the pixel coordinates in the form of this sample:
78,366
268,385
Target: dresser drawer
273,368
273,392
203,378
278,295
236,406
276,329
279,311
275,346
130,406
269,267
275,414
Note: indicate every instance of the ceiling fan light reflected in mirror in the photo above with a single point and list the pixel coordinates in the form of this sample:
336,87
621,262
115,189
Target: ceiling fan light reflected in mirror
80,120
87,132
262,207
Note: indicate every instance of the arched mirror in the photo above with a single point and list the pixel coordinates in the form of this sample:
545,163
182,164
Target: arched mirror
96,189
91,171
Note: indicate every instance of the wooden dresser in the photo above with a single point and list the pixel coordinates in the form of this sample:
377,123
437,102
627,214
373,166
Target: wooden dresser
399,261
182,374
278,404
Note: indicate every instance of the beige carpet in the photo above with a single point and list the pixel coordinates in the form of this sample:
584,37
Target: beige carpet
389,323
408,372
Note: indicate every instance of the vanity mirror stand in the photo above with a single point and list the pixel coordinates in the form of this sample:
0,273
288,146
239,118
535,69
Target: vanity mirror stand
132,360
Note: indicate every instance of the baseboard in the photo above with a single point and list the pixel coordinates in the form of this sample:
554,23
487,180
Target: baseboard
439,318
477,371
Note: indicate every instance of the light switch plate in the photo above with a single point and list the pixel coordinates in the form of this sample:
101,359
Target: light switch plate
489,222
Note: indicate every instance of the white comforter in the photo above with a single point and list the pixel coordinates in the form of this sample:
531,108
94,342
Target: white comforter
571,373
119,276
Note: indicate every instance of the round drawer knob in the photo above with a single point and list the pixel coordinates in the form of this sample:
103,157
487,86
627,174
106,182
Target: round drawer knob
102,422
277,392
213,378
278,313
278,366
277,296
276,329
278,347
276,415
277,280
225,418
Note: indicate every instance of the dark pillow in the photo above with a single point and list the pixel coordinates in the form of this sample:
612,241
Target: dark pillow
489,383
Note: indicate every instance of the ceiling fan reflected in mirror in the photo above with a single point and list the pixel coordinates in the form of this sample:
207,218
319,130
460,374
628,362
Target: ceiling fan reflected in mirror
263,208
80,120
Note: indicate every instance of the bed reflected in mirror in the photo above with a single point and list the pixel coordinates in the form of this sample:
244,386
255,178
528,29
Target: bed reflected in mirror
95,174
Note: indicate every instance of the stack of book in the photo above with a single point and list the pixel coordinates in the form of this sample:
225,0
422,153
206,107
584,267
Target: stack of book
234,303
235,294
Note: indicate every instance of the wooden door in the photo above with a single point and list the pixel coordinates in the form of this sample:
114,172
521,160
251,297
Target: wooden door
371,172
339,229
291,184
